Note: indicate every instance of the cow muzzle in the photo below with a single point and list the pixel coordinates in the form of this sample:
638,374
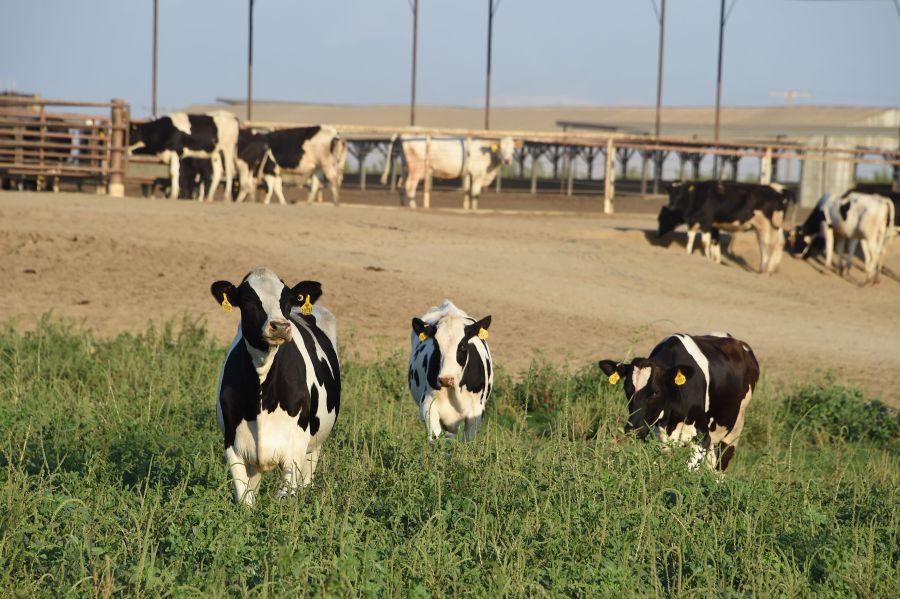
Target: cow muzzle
277,331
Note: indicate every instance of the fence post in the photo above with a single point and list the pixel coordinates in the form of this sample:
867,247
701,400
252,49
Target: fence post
765,168
117,154
534,159
362,173
426,194
609,178
570,184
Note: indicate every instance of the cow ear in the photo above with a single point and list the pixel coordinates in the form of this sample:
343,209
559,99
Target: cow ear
680,374
479,328
608,367
422,328
307,289
225,293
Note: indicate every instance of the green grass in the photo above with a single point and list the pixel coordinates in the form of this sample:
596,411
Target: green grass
112,482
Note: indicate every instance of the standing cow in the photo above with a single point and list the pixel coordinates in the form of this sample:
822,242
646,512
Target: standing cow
300,151
710,206
280,388
689,386
476,161
451,373
178,135
861,218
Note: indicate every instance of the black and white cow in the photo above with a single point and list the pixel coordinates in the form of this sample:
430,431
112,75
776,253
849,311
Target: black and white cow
710,206
854,218
451,374
280,388
691,385
179,135
299,151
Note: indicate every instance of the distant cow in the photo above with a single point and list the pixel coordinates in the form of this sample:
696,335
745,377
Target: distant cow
475,161
451,374
690,386
299,151
280,388
861,218
179,135
710,206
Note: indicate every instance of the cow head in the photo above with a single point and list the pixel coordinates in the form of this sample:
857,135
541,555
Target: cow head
135,137
504,150
265,303
668,219
453,337
649,387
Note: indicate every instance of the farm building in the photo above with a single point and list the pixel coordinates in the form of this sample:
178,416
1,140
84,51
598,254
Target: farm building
807,125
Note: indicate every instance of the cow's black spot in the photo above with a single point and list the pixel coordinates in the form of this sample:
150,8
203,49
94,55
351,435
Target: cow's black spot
434,367
327,369
287,144
239,395
473,377
314,422
416,377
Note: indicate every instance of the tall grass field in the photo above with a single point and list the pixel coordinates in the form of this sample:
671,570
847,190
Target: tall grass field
112,483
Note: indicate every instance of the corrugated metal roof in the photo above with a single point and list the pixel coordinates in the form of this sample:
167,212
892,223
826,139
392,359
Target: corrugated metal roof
739,122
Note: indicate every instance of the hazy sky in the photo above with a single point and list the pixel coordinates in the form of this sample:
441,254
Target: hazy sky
545,51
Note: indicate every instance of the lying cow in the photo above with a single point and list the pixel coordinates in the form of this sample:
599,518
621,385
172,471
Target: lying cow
178,135
476,161
861,218
690,386
451,374
709,206
280,388
299,151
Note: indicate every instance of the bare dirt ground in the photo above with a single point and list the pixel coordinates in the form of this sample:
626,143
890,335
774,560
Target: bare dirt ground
569,283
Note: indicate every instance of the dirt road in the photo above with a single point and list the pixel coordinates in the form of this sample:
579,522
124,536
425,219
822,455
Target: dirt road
573,286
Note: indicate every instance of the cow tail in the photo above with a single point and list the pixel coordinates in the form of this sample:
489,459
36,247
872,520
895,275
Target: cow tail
388,161
891,230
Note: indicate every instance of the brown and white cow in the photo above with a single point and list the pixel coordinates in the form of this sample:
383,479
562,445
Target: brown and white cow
475,161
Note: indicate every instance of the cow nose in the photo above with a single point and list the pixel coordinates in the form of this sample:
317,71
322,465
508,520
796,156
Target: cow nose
278,326
447,381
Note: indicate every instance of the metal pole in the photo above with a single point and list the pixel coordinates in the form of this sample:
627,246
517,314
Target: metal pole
250,63
155,38
719,85
487,84
659,79
412,101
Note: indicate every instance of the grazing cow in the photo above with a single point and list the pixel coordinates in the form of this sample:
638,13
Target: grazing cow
884,190
689,386
475,161
280,388
861,218
451,374
299,151
179,135
710,206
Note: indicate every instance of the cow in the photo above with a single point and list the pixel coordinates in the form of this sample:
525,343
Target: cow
279,391
299,151
690,385
179,135
710,206
854,218
451,374
476,161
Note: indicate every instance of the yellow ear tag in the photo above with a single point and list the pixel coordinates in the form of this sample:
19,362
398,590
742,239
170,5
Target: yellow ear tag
423,337
680,379
614,378
691,188
226,305
307,308
482,334
494,147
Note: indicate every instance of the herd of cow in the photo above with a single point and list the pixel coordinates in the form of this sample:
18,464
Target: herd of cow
198,148
855,217
279,391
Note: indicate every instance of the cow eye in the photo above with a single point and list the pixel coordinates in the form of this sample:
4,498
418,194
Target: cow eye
300,298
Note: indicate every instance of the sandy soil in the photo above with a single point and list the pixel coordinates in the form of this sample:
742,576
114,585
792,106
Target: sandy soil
573,285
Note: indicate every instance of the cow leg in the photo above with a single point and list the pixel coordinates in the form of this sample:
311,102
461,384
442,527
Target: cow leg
314,185
691,236
762,239
245,479
216,161
716,246
472,426
331,174
246,182
412,181
870,260
228,160
428,412
726,452
270,187
174,176
705,240
278,183
475,192
308,468
776,249
292,469
828,235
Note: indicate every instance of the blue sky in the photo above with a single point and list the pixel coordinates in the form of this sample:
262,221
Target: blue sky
545,52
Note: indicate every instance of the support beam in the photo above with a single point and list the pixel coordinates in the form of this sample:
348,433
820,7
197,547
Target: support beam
609,178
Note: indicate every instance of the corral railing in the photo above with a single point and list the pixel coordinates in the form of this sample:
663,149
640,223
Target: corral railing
43,141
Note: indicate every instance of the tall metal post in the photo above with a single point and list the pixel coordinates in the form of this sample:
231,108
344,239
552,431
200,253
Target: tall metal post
659,79
487,83
250,63
412,101
155,38
719,85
